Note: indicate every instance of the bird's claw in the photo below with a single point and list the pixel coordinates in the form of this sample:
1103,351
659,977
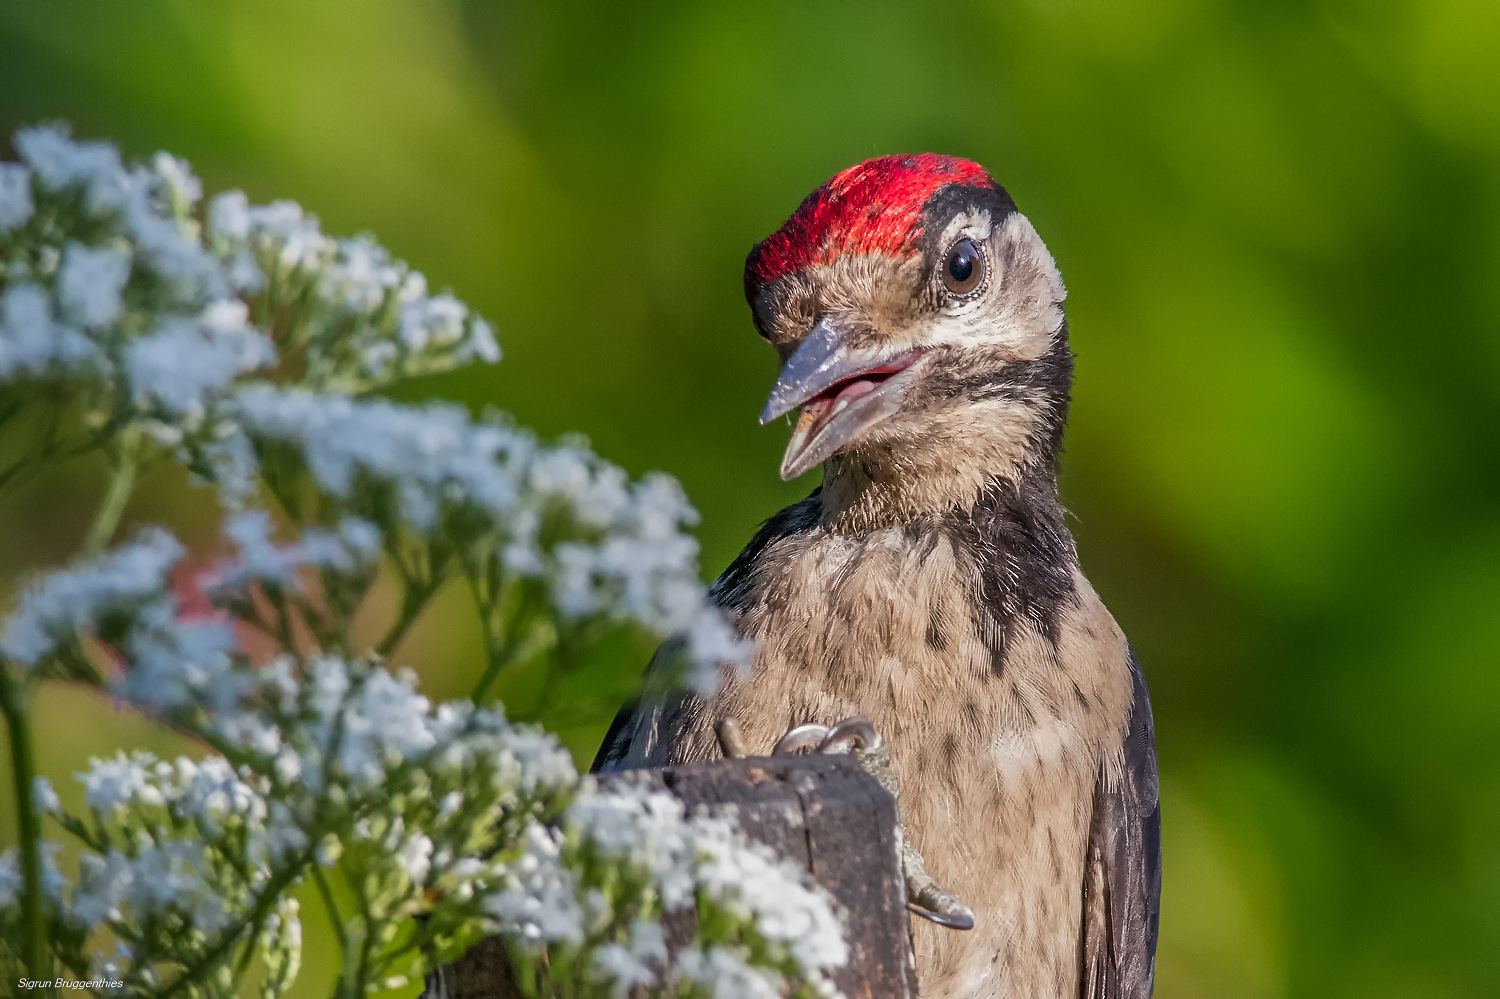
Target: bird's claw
924,896
962,919
731,740
800,738
826,739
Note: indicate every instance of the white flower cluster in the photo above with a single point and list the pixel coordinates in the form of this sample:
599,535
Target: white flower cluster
767,893
349,766
635,559
53,881
58,607
430,458
151,312
625,554
366,319
142,309
32,341
539,903
365,727
549,896
352,548
642,828
416,800
126,593
163,323
635,961
15,196
725,973
179,852
172,878
159,317
187,363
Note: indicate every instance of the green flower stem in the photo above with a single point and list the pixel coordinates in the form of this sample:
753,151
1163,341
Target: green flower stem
334,917
354,969
500,654
412,604
15,702
231,937
498,658
121,485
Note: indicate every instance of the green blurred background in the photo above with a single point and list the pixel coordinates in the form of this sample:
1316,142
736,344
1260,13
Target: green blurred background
1280,226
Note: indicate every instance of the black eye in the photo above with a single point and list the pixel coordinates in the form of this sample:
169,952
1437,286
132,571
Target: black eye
963,269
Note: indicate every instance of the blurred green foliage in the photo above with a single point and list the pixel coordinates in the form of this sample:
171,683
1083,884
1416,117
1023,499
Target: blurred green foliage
1280,223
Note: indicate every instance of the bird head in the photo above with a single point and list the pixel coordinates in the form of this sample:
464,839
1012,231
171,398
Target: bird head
919,321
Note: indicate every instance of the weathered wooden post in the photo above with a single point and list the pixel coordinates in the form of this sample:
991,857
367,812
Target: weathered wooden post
820,811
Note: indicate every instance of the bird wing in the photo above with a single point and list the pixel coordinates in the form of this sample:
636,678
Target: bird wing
642,731
616,744
634,738
1122,875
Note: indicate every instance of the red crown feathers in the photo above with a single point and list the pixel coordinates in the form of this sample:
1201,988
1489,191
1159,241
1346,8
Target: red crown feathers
872,207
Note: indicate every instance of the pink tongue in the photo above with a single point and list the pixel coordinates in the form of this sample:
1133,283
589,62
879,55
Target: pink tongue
854,390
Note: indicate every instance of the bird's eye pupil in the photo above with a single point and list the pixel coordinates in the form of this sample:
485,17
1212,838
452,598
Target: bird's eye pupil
960,267
964,268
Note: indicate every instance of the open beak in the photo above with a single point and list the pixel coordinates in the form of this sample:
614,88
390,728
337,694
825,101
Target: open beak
841,390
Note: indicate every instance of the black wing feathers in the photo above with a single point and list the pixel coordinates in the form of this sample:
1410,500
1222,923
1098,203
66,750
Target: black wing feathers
1122,871
732,588
617,740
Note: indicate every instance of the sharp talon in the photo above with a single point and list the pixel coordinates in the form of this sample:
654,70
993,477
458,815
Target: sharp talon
954,921
857,730
731,740
928,899
801,737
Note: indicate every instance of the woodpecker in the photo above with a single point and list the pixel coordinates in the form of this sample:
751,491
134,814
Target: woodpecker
930,584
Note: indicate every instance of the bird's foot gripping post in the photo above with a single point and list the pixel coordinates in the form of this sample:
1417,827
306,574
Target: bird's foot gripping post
924,896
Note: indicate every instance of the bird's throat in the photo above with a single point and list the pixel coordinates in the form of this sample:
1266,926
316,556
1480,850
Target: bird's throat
941,464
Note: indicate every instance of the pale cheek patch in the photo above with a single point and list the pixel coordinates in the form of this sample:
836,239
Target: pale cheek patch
1030,288
1022,308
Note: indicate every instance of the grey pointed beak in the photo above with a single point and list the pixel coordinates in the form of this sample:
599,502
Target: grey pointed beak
822,360
820,363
